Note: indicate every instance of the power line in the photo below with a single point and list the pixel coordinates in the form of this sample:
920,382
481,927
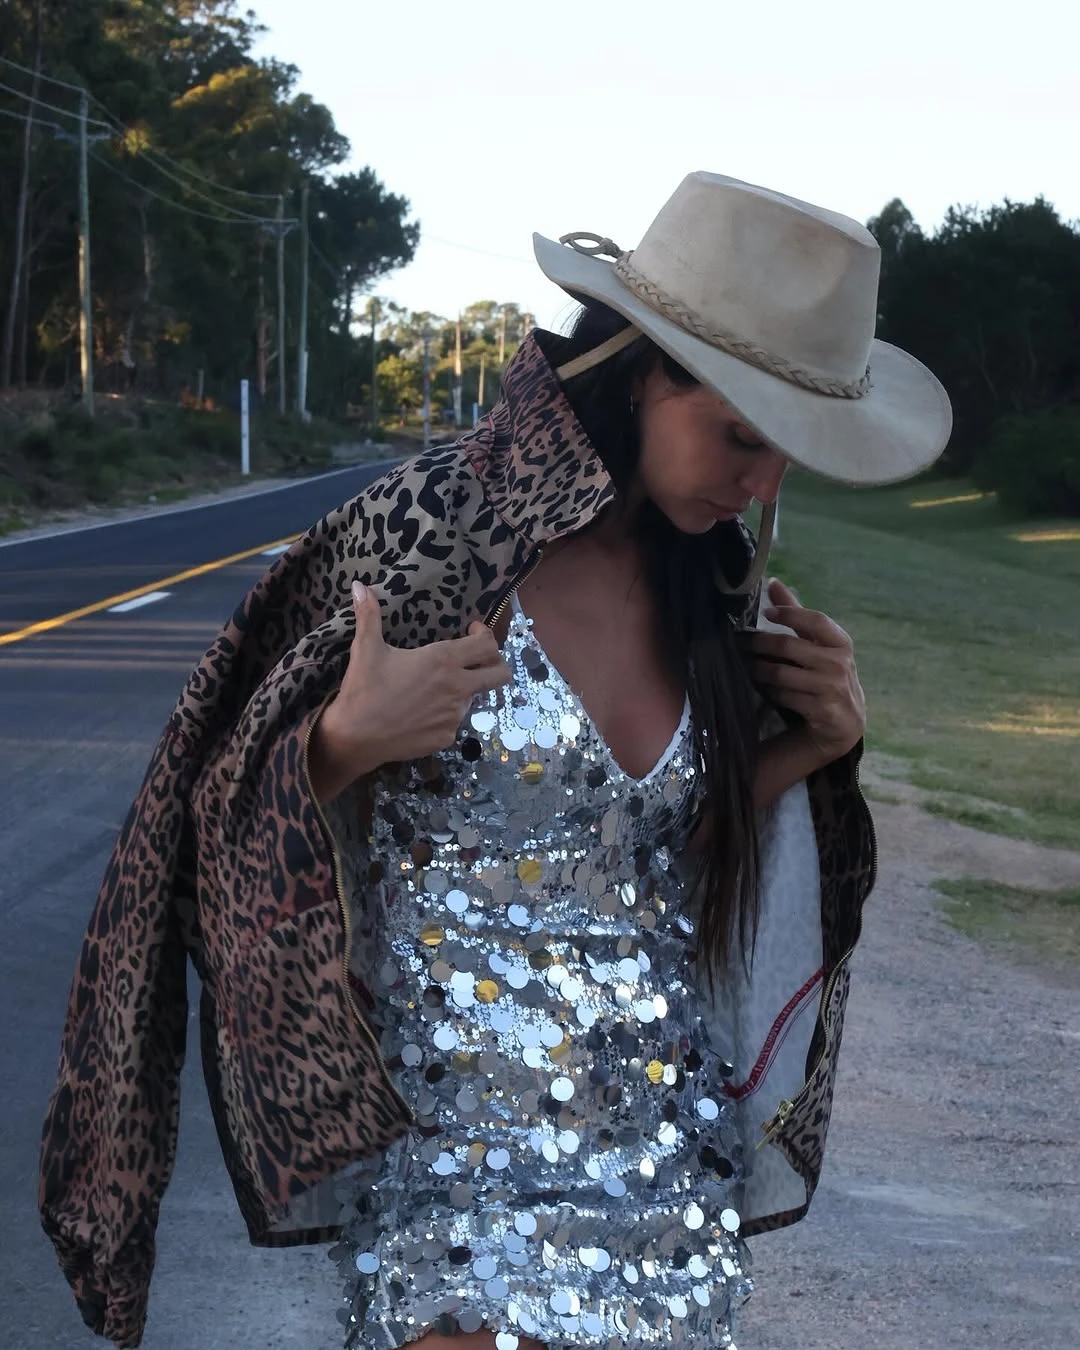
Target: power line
241,218
153,155
239,215
187,210
294,265
333,301
40,74
202,178
51,107
37,122
483,252
150,155
321,257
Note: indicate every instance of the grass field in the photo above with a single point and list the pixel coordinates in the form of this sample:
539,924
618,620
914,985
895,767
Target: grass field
967,631
1035,926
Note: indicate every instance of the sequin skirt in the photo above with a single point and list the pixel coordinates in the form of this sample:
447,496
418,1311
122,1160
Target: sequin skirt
568,1274
574,1185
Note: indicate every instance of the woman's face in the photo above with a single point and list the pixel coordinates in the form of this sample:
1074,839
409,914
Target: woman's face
699,463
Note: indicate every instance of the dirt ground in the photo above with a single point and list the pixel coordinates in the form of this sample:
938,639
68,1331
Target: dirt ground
949,1212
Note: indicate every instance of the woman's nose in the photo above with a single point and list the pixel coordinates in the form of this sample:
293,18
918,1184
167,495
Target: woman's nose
764,476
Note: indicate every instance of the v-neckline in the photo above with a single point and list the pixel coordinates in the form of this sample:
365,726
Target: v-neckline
672,746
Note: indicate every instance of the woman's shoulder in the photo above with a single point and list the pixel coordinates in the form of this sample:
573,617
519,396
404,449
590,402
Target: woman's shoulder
430,481
420,503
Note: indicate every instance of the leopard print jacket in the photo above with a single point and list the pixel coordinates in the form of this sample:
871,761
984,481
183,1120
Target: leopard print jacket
226,857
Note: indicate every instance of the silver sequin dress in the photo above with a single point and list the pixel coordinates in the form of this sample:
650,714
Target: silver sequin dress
573,1171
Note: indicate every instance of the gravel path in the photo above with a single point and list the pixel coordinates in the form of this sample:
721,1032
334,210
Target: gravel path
949,1213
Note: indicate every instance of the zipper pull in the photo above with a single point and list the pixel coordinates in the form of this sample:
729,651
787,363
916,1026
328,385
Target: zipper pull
773,1127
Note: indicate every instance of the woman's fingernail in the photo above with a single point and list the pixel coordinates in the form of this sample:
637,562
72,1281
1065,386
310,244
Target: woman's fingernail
359,591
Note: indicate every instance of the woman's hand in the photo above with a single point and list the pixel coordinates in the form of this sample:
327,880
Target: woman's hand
812,674
397,704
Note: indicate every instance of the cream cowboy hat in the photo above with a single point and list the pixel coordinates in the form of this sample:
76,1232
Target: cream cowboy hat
772,302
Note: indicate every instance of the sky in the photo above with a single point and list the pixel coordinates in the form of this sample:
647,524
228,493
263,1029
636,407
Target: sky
497,118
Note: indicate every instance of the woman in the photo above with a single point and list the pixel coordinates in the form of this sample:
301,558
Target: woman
524,889
532,962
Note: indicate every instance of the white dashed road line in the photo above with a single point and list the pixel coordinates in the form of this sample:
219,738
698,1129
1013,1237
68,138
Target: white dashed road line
143,595
138,602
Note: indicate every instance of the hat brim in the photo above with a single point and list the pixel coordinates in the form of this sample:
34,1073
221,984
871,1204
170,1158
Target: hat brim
895,431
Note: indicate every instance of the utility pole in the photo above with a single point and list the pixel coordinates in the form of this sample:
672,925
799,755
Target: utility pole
502,337
376,315
455,388
262,326
427,387
20,272
301,345
480,391
86,330
281,301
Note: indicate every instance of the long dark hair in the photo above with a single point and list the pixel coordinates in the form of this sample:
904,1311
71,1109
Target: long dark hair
697,617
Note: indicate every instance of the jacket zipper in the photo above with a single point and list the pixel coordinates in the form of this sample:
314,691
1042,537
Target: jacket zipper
528,568
346,922
786,1109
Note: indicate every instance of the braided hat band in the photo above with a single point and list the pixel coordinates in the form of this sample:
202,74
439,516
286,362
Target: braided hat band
669,308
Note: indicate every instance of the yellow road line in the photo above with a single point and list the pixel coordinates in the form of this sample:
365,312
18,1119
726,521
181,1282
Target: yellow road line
1047,537
44,625
950,501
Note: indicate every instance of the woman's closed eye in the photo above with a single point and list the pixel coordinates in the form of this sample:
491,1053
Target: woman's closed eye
743,437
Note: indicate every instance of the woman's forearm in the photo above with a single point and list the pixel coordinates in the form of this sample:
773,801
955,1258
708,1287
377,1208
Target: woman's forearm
334,761
783,761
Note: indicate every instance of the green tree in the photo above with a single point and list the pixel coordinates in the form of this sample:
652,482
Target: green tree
991,302
401,383
401,353
362,230
895,230
206,139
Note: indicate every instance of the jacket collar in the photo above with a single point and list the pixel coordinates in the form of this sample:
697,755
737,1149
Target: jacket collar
537,466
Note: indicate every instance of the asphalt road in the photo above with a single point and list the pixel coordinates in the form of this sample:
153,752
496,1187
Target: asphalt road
81,706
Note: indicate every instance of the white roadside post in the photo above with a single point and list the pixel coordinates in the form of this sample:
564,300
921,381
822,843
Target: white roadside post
427,388
245,428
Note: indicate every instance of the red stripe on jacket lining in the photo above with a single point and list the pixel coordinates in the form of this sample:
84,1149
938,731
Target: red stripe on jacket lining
775,1039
